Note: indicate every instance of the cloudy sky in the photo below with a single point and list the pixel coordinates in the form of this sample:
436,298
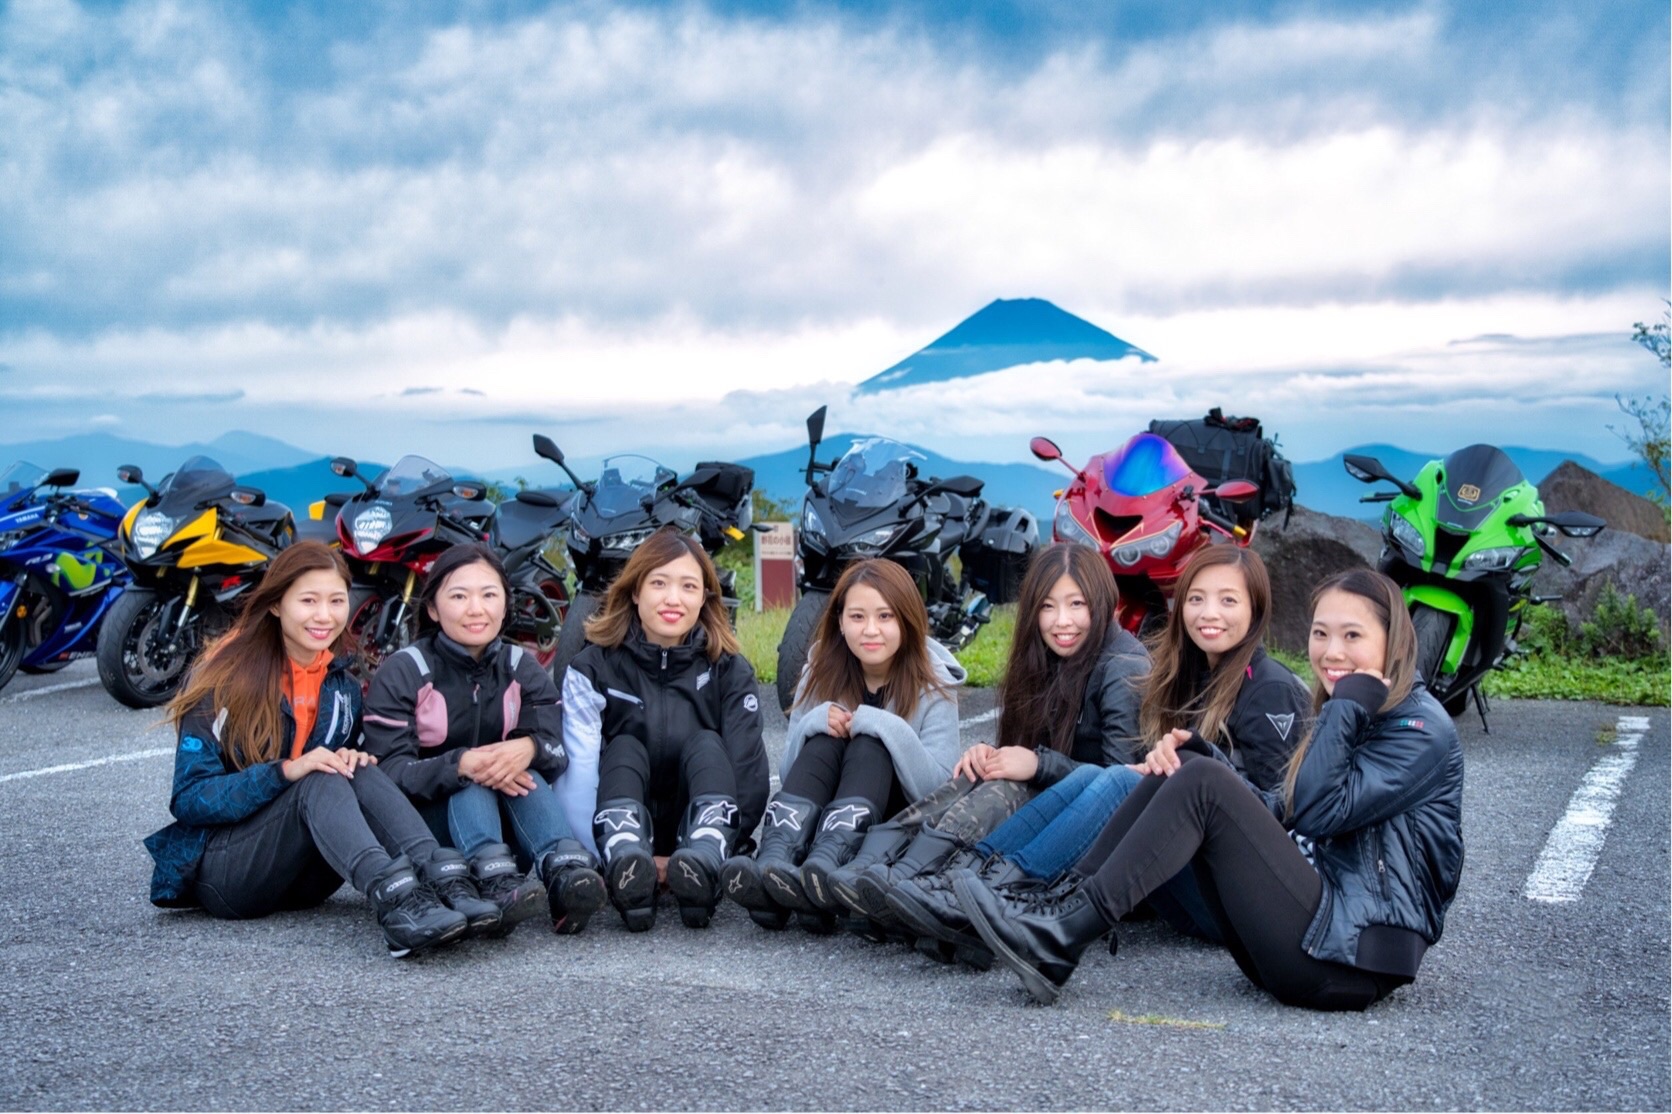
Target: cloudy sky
676,228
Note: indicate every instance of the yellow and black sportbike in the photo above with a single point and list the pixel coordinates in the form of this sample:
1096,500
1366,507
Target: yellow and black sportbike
195,545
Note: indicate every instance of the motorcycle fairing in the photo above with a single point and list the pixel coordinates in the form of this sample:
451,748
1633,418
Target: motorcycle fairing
1463,625
1144,465
1474,480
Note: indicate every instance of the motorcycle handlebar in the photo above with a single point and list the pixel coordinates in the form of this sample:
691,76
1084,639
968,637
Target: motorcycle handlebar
1562,558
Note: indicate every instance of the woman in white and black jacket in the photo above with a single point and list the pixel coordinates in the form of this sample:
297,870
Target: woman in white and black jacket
1328,889
662,725
470,727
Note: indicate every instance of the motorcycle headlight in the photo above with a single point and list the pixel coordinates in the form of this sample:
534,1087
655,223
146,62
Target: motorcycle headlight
1406,535
1156,545
811,523
627,539
870,543
578,537
9,538
1492,560
151,530
371,526
1067,528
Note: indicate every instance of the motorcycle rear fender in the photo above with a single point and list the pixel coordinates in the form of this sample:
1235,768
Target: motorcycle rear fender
1439,599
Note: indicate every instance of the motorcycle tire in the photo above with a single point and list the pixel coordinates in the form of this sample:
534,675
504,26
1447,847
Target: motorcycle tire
529,608
366,608
571,640
1433,629
11,649
792,649
126,666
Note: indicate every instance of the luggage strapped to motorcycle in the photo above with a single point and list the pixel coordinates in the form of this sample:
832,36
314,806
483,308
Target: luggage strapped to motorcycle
1220,449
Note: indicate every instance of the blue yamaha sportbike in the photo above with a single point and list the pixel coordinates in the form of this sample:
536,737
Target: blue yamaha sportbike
57,576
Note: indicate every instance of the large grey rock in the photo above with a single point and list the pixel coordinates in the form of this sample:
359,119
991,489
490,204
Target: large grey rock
1573,488
1312,546
1637,566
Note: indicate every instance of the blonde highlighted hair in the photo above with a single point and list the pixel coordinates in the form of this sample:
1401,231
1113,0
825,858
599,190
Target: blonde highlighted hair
609,627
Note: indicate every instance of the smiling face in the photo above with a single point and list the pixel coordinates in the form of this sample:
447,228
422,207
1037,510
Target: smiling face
669,600
1216,610
470,606
312,614
872,632
1065,618
1347,636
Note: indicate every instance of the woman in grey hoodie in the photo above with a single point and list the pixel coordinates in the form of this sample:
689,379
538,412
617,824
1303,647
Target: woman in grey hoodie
874,725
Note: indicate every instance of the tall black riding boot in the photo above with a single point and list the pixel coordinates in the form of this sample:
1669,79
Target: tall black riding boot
841,831
785,834
880,844
1040,936
705,841
621,828
925,854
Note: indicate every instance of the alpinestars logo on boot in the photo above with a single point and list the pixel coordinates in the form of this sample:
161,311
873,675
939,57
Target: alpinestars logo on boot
616,819
780,815
1284,723
720,812
848,816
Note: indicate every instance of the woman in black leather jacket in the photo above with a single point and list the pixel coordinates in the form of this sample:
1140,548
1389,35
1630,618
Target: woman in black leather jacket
1329,889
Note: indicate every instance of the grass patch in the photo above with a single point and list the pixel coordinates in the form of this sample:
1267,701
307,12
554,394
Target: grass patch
987,652
760,632
1166,1022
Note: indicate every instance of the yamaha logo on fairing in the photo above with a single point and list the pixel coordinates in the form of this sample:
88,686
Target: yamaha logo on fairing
371,526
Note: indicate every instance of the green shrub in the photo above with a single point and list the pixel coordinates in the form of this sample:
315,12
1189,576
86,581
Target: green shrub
1618,628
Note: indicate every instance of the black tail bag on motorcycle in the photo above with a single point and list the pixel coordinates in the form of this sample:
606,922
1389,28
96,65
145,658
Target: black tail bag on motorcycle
1219,449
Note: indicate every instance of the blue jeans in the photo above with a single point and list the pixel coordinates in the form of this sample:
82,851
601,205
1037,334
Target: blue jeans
476,815
1050,833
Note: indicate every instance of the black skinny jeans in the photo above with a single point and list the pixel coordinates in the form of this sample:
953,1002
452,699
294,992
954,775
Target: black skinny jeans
665,778
295,851
1259,887
831,769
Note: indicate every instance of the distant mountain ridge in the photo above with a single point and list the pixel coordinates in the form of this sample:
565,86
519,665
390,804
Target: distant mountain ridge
1004,333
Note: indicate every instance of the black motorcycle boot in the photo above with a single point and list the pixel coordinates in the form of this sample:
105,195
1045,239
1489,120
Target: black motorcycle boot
412,917
705,842
449,876
926,853
786,831
574,888
841,831
1039,937
621,829
518,895
881,842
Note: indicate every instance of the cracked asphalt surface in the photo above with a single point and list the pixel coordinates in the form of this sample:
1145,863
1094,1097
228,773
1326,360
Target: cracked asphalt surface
111,1003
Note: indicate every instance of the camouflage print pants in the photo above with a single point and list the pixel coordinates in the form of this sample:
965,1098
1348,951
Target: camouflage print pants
969,810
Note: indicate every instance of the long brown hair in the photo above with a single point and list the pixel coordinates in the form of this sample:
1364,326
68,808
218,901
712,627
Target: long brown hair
1040,696
1182,691
834,674
243,671
615,618
1399,669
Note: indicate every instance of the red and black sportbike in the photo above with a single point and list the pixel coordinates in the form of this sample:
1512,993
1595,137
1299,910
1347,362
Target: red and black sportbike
1143,508
393,531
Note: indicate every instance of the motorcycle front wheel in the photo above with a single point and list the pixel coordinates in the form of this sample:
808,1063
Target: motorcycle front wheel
139,663
11,647
374,627
1433,638
792,650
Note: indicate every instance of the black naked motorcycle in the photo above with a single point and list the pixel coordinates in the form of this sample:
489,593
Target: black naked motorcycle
632,498
873,502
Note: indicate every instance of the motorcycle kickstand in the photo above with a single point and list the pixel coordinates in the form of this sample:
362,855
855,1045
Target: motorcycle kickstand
1480,706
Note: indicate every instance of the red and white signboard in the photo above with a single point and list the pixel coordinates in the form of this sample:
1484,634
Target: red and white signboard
775,566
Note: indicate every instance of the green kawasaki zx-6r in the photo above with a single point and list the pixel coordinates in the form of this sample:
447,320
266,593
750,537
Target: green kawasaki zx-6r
1463,540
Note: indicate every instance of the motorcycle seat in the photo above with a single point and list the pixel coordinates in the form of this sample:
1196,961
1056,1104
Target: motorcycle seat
517,523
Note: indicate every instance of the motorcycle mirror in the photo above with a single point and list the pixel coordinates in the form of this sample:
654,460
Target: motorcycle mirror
130,474
1366,469
1577,524
61,477
466,489
536,499
1234,491
337,498
248,496
815,426
545,447
1045,449
342,466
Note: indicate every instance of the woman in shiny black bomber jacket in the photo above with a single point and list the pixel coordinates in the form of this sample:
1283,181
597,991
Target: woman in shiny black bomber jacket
1329,890
662,724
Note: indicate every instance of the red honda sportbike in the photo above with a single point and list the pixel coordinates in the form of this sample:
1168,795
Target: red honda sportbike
1142,507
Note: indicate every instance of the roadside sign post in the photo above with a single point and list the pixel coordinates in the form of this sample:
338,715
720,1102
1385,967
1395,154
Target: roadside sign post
775,566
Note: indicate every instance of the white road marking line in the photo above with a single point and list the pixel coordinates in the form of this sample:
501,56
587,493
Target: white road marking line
71,766
45,689
990,714
1575,843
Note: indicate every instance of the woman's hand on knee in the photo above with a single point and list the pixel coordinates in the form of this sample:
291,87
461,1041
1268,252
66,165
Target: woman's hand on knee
972,761
317,760
1163,758
1011,764
839,721
502,766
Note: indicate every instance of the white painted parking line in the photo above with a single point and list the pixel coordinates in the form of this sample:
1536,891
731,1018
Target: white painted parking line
1575,843
45,689
989,714
72,766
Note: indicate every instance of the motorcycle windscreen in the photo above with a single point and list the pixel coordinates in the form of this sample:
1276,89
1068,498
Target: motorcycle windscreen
17,480
410,474
198,480
1143,465
874,473
1474,478
625,480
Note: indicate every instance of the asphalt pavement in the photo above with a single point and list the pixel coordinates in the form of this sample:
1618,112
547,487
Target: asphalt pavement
1551,1002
